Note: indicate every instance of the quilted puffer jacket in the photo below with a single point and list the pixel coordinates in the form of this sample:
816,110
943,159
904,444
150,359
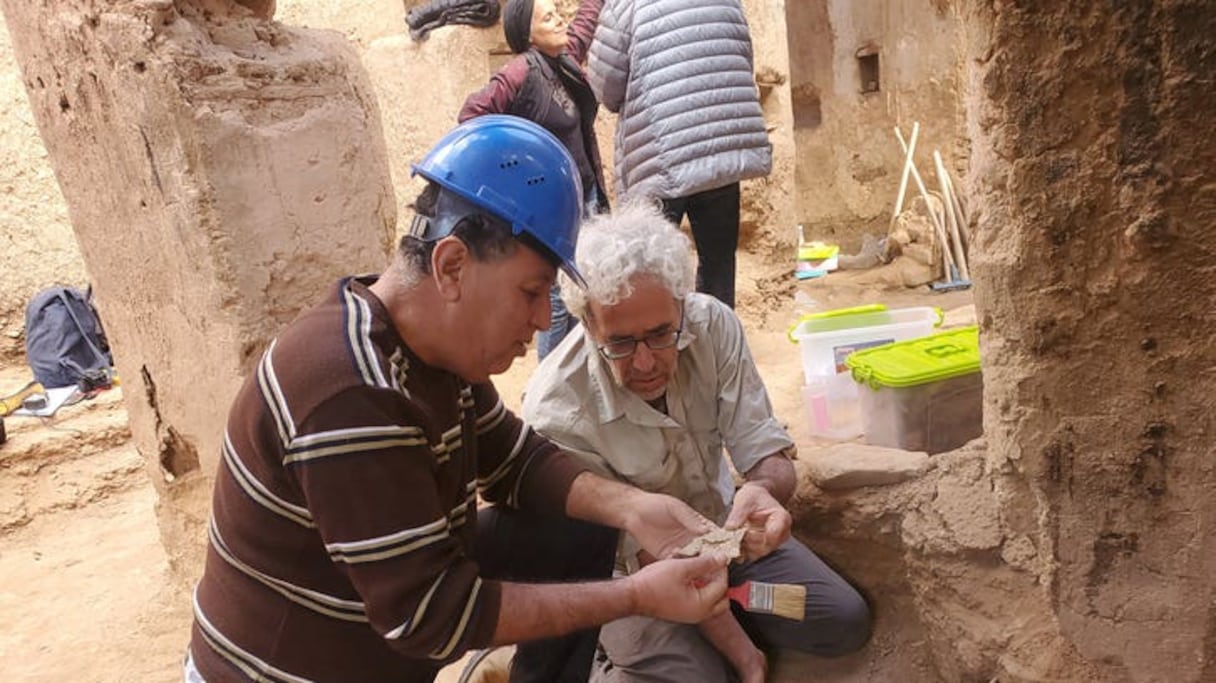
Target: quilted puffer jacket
679,73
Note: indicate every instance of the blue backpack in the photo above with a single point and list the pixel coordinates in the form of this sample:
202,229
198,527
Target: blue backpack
64,341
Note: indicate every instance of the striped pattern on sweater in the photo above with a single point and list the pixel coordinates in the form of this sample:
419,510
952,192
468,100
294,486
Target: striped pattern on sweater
341,542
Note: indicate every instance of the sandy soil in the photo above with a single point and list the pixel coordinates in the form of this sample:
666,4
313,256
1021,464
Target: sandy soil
83,594
86,594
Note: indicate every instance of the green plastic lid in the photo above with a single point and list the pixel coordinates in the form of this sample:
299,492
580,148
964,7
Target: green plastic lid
918,361
848,318
837,319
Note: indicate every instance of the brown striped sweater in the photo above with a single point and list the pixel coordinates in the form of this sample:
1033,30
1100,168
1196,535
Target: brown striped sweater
344,512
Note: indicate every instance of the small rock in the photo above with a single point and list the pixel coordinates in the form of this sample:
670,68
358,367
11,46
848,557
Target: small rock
1020,552
853,465
959,317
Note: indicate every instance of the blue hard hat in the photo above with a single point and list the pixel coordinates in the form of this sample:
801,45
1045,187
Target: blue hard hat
513,169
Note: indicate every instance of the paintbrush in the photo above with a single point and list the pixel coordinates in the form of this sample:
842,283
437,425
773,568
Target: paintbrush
786,600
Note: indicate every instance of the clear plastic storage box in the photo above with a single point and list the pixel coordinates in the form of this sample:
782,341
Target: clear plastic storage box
923,394
826,339
833,410
829,395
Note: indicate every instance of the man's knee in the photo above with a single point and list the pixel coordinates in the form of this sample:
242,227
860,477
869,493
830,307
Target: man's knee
852,624
837,623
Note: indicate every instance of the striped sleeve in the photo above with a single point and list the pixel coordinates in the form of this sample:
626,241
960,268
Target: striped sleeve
370,480
517,466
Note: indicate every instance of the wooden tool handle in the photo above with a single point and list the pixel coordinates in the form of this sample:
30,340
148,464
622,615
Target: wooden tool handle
739,594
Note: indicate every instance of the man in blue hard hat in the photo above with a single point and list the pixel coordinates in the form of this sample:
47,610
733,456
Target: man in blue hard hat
346,543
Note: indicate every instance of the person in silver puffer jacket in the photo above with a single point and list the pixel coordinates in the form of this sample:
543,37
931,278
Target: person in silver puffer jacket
680,76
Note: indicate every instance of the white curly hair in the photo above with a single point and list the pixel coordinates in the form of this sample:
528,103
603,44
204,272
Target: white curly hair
635,240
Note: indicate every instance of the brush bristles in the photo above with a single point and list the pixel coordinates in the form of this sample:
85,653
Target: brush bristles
782,599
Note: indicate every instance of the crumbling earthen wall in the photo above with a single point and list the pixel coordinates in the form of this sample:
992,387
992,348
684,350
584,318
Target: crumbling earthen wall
35,235
848,158
221,172
420,86
769,204
1092,169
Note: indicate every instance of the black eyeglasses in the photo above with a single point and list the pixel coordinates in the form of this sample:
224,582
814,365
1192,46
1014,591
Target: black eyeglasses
624,348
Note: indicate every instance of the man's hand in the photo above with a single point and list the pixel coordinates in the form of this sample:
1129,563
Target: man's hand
768,523
684,590
662,524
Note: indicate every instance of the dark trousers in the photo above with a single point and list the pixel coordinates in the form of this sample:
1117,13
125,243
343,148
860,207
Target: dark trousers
837,622
837,619
513,545
560,324
714,217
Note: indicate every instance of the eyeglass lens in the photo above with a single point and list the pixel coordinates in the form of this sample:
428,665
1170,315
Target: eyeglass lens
656,342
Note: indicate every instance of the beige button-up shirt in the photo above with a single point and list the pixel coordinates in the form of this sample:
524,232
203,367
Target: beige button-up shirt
715,402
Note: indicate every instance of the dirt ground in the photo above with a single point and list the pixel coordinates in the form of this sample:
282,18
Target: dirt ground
86,594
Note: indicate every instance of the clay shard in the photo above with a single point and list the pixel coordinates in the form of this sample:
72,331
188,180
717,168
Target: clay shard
718,541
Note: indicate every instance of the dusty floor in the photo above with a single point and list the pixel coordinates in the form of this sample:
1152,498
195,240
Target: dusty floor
85,594
80,554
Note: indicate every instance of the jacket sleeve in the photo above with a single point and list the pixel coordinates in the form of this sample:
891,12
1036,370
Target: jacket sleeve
608,58
499,94
582,29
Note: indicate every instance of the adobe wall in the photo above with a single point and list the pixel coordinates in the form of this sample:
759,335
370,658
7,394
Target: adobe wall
770,203
848,158
420,86
37,247
220,172
1092,167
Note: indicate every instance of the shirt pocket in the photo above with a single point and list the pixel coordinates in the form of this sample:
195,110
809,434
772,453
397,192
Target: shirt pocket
652,469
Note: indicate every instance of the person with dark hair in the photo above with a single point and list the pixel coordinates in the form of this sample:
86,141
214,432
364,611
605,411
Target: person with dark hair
346,541
545,83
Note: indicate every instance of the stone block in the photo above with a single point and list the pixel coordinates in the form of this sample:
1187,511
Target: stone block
853,465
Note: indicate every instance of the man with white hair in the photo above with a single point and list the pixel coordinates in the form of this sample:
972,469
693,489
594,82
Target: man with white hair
653,389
